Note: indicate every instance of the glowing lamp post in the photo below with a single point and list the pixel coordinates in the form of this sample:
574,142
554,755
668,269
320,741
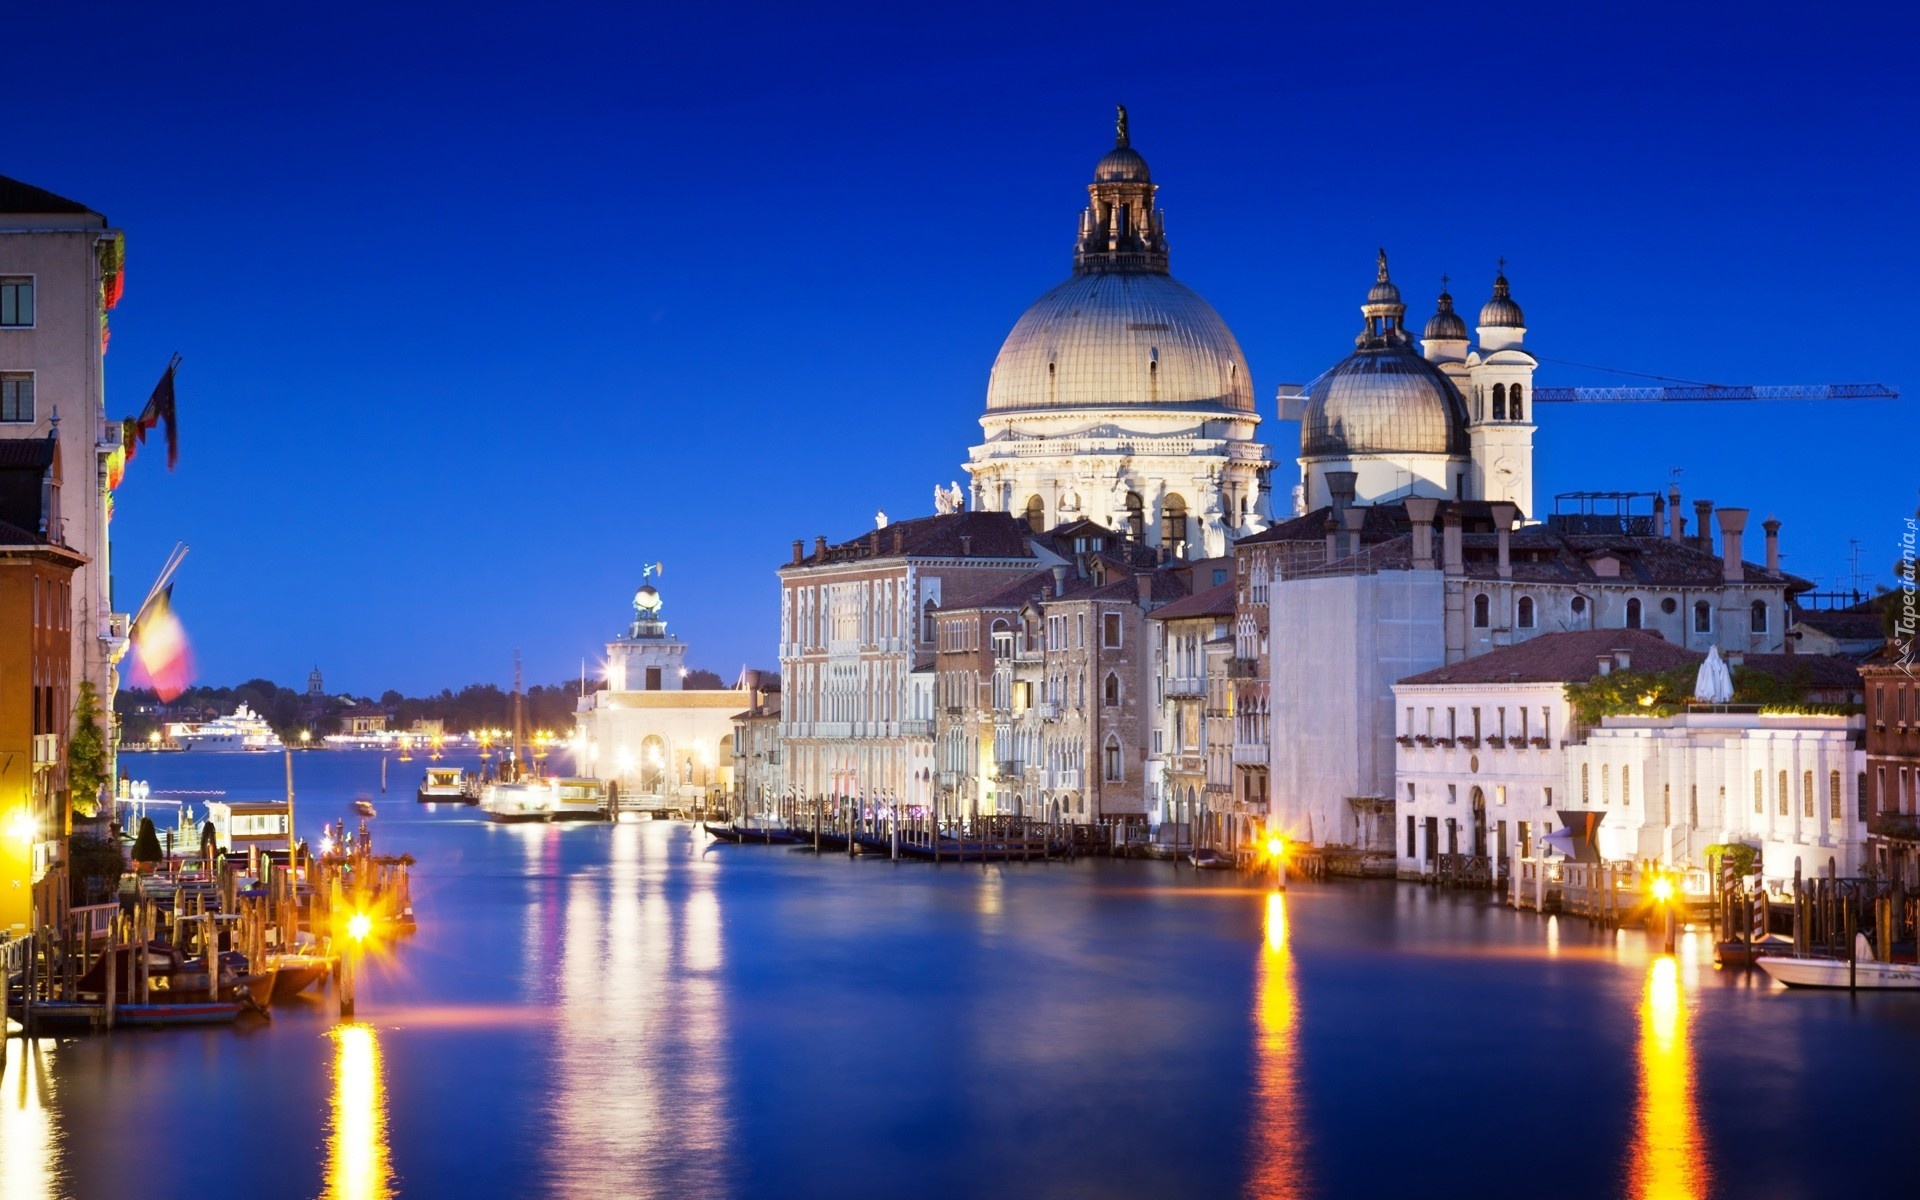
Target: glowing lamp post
1663,897
359,929
1277,851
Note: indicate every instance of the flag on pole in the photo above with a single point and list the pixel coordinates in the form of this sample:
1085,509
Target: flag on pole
159,410
160,644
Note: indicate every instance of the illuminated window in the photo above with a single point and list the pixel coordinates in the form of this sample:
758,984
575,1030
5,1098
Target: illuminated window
16,301
16,397
1781,794
1806,794
1626,784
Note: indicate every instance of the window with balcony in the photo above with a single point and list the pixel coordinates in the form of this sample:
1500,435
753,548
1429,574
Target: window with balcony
16,301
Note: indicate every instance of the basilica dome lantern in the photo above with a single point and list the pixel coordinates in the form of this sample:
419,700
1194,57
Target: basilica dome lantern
1121,395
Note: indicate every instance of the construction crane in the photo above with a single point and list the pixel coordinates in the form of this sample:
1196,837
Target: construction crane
1711,391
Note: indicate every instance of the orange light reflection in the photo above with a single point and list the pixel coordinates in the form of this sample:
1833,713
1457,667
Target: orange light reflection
1279,1134
359,1163
29,1151
1669,1153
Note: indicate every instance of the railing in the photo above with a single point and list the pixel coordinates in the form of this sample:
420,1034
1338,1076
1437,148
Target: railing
1904,826
1187,685
916,729
14,956
1250,754
95,921
1048,711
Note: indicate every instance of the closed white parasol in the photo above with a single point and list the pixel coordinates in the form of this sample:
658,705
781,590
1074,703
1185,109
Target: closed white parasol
1714,684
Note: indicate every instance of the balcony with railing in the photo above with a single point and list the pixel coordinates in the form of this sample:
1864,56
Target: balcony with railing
46,749
1904,827
1186,686
916,729
1048,711
1250,754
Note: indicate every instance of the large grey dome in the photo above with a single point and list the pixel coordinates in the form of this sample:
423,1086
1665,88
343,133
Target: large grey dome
1116,339
1384,400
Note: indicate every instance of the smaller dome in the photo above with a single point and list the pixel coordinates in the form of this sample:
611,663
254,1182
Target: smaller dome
1122,164
647,599
1383,290
1382,401
1446,324
1501,312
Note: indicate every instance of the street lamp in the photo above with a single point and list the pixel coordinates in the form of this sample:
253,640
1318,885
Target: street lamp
1277,851
1663,895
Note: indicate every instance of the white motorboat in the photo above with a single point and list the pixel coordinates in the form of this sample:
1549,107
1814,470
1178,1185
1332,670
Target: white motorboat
1867,974
530,800
243,732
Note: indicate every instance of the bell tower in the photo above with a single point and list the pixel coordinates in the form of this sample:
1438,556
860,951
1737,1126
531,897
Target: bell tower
1500,404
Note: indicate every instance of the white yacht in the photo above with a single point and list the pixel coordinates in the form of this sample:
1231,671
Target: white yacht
244,731
528,800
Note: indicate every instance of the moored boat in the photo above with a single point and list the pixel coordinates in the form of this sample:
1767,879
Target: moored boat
1864,973
579,800
294,973
442,785
531,800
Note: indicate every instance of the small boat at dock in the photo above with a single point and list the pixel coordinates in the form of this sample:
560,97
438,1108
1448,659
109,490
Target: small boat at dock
442,785
1864,973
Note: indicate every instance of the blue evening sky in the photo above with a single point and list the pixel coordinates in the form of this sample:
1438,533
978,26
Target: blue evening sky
482,307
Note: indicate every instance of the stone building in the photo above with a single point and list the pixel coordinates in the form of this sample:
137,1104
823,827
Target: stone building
1892,764
859,630
1120,396
60,273
759,777
664,745
1192,740
37,576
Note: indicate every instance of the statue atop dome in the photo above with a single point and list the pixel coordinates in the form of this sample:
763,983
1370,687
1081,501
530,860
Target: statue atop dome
1120,128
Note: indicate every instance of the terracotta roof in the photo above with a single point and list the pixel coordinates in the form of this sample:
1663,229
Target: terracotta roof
28,453
988,534
18,197
1825,671
1844,626
1562,658
1216,601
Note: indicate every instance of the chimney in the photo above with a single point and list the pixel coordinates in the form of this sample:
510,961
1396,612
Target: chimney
1733,524
1451,558
1659,515
1355,518
1503,514
799,551
1703,525
1143,584
1605,663
1420,510
899,540
1623,658
966,545
1674,519
1333,538
1340,488
1772,526
873,544
820,549
1060,579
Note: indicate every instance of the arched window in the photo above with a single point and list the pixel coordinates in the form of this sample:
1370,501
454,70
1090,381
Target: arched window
1112,690
1758,623
1633,613
1499,401
927,629
1702,617
1513,404
1173,524
1136,517
1482,608
1110,756
1526,612
1036,514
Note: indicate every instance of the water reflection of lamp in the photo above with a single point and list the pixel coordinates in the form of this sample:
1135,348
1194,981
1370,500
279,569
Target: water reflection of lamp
359,1165
1669,1153
1277,1170
29,1151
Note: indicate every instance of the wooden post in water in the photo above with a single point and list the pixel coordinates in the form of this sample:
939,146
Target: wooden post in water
113,968
1851,969
1799,911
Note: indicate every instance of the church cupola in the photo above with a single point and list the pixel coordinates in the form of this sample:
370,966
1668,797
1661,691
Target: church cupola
1386,315
1445,337
1502,324
1120,229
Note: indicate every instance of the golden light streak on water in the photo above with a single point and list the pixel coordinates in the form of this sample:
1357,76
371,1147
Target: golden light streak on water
1669,1154
359,1162
1276,1169
29,1149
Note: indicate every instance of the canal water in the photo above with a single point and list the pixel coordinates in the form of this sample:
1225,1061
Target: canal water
630,1010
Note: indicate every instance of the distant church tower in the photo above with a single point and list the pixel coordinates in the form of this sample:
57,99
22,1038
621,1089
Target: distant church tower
314,687
646,659
1499,428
